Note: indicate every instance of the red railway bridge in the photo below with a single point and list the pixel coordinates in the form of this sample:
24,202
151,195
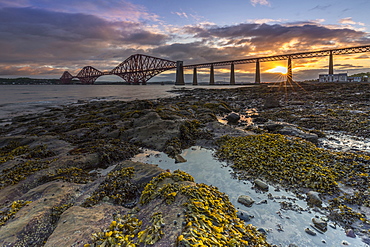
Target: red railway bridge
140,68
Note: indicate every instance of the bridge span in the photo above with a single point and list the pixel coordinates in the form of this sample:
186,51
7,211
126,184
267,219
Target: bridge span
140,68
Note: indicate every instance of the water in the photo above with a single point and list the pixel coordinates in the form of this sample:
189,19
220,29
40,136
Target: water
17,100
284,226
345,143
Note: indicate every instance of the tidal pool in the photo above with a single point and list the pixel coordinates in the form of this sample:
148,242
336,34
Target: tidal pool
283,227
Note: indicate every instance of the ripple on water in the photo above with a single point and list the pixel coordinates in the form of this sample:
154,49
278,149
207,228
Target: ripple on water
283,226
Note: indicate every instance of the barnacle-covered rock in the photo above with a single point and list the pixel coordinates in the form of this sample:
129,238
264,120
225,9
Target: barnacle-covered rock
117,188
33,224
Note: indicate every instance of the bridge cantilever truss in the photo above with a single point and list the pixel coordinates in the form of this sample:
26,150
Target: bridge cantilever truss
136,69
140,68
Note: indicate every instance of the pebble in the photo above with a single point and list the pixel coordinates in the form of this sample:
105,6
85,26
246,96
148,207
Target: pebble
246,200
260,184
310,232
313,198
350,233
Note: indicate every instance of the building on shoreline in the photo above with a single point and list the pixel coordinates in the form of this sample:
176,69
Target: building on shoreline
341,77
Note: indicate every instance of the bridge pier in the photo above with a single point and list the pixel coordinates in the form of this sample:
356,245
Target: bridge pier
195,77
232,74
289,75
331,64
212,76
258,73
180,73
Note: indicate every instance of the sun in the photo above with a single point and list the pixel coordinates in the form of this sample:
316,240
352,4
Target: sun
278,69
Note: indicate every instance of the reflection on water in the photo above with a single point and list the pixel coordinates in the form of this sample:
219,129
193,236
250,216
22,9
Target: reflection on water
342,142
284,226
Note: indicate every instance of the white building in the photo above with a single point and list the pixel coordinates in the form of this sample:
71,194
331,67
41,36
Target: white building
333,78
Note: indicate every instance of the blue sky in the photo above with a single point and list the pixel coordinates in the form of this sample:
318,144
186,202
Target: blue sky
43,38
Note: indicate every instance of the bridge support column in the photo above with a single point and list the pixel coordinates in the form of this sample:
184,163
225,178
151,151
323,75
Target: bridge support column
212,76
289,75
179,73
258,73
195,77
232,75
331,64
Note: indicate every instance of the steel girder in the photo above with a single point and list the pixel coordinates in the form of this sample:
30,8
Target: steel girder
140,68
310,54
66,78
88,75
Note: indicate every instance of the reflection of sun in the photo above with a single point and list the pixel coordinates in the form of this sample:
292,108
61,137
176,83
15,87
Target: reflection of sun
278,69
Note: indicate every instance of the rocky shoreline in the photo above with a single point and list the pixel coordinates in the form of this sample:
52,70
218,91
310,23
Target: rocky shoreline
67,178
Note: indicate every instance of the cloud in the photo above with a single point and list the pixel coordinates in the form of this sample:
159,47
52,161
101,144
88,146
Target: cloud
261,2
348,20
119,10
271,38
347,66
41,35
322,7
181,14
266,21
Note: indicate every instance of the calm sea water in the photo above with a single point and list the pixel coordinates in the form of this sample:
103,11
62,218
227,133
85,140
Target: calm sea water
17,100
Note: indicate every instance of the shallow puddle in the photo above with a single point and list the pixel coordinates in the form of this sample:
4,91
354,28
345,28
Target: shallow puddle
284,227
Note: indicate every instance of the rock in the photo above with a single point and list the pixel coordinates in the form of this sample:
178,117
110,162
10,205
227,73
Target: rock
259,120
233,118
290,130
271,102
155,134
77,224
179,159
320,224
332,225
246,200
350,233
313,198
310,232
34,223
293,131
243,215
262,230
260,184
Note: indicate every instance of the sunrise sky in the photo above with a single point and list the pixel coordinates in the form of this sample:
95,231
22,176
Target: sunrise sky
43,38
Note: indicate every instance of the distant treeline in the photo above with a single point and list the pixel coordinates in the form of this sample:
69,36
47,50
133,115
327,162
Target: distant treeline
361,74
28,81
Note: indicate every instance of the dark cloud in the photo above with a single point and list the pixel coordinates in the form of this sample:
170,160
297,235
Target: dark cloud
266,37
198,52
321,7
347,66
29,34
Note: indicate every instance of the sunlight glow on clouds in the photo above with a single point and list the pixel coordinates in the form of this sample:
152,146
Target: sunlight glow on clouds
349,20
